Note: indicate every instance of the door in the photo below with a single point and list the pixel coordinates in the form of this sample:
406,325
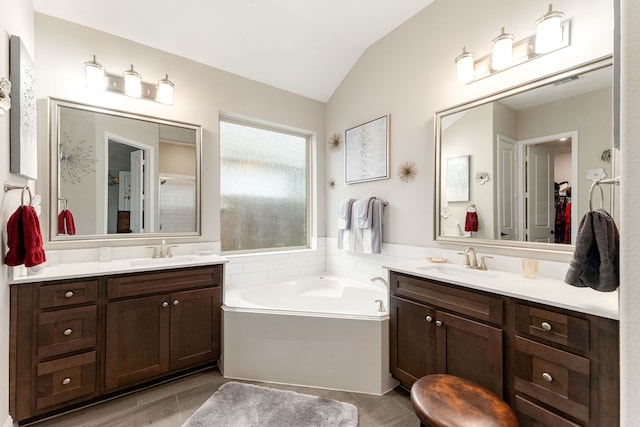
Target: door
469,350
195,327
506,189
137,340
540,206
412,341
137,191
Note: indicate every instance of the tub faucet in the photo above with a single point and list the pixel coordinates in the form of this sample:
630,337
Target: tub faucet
381,308
379,279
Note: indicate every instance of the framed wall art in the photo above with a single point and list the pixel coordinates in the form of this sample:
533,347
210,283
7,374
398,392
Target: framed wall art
367,151
458,179
23,144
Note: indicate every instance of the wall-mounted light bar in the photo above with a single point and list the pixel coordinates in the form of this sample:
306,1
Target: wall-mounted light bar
129,83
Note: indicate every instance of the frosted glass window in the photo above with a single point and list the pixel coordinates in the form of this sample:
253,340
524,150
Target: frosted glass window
263,188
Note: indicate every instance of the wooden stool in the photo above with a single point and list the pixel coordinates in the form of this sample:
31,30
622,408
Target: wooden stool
447,401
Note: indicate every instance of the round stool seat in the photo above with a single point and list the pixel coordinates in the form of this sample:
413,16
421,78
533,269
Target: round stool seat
441,400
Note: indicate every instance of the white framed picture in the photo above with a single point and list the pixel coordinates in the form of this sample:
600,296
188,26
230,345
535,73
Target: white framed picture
367,151
458,179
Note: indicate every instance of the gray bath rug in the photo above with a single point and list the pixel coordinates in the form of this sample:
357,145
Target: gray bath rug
244,405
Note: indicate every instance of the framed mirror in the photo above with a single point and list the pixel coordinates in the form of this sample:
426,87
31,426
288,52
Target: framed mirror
120,175
514,169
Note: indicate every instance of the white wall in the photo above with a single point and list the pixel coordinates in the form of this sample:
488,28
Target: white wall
201,93
16,18
629,219
411,74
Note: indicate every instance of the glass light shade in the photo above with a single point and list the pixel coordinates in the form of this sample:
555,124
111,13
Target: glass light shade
548,31
132,83
164,92
94,75
502,50
465,66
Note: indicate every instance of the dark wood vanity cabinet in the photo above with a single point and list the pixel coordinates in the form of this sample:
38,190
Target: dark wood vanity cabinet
73,341
555,367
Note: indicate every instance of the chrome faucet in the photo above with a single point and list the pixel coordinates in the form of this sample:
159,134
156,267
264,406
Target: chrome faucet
164,250
471,260
380,279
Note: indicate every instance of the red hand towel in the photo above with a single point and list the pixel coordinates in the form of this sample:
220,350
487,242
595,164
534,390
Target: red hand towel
69,222
61,228
32,237
15,239
471,222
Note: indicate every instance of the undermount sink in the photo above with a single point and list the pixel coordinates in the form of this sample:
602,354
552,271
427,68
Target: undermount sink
459,272
162,261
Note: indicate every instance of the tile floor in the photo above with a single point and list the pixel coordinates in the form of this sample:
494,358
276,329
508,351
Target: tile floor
170,404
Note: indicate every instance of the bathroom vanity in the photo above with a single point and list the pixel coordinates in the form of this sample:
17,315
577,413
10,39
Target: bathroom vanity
78,339
549,350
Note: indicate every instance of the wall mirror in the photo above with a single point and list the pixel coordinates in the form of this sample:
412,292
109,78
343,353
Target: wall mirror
514,169
118,175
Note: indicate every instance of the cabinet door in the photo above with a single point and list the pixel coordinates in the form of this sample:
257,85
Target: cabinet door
137,339
470,350
412,340
195,327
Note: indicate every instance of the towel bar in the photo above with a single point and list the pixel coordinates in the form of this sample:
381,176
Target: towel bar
595,184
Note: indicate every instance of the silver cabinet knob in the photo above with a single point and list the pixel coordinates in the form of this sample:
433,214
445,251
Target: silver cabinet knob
547,377
165,304
68,294
429,319
176,302
438,323
546,326
68,332
66,381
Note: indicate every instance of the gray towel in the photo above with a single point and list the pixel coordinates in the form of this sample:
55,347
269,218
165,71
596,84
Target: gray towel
596,257
363,212
344,222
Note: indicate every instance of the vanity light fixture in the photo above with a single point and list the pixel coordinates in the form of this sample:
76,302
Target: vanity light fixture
128,83
501,51
94,75
551,34
132,83
164,94
548,31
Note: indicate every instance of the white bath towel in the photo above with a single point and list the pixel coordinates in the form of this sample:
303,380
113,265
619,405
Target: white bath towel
344,223
372,236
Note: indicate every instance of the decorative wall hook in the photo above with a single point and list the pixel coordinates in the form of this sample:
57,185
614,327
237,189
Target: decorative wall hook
482,177
5,92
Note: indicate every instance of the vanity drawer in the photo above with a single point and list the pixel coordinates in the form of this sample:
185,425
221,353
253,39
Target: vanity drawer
65,379
65,331
477,305
555,377
169,281
537,416
567,330
68,293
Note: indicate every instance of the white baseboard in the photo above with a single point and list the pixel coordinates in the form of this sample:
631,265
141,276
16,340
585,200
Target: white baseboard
9,422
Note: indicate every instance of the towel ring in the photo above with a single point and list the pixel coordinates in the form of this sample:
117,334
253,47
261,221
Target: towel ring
22,196
593,185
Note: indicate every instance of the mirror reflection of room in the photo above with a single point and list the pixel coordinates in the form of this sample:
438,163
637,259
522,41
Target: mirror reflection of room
532,158
133,175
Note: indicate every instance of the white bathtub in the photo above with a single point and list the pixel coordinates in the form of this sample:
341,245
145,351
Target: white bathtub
320,331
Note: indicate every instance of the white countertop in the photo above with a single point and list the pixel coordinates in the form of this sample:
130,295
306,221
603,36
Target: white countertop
75,270
542,290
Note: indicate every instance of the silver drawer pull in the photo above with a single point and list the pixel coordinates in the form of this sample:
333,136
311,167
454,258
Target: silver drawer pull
165,304
438,323
68,332
68,294
429,319
546,326
176,302
66,381
547,377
